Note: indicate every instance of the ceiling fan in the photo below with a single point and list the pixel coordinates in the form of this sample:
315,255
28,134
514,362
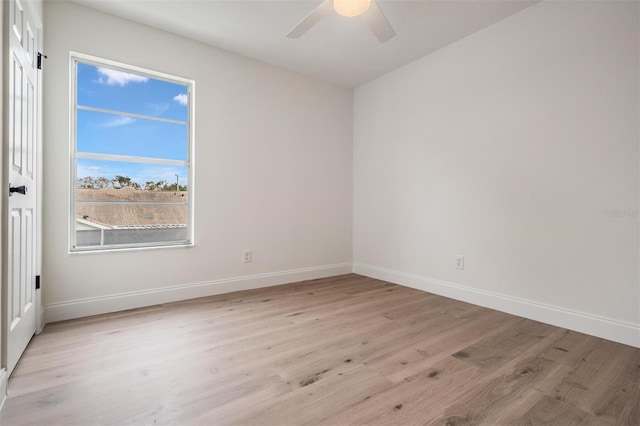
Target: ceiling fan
369,10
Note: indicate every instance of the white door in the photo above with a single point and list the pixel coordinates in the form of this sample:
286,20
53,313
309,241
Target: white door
21,228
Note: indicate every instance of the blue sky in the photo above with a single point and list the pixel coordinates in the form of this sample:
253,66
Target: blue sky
124,135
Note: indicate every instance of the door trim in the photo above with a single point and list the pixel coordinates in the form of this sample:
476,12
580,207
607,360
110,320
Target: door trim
39,169
4,118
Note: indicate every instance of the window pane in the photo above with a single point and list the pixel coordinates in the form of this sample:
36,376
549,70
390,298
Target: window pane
132,158
104,87
122,135
145,178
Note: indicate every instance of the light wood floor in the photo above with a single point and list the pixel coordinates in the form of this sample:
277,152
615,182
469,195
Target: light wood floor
337,351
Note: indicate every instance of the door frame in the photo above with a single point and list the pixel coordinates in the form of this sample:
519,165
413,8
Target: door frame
35,9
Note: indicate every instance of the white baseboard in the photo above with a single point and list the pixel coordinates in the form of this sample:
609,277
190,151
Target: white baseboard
618,331
138,299
4,380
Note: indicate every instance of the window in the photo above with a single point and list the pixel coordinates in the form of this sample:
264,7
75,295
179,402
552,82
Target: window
131,157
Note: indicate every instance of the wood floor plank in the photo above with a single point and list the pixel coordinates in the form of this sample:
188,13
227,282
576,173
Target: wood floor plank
333,351
444,338
611,395
570,348
488,353
412,400
550,411
343,386
502,398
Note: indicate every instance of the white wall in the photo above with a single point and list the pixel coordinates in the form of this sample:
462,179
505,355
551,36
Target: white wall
508,147
273,172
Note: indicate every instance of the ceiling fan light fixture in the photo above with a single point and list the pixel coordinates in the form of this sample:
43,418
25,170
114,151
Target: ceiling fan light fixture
374,18
351,8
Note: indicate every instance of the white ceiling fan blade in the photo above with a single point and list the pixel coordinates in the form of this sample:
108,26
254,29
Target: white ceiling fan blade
378,23
313,18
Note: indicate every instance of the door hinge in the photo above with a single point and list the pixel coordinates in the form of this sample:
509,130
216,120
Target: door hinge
37,282
40,56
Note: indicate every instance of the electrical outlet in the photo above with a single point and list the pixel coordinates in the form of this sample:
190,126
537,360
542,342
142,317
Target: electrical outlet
246,256
459,262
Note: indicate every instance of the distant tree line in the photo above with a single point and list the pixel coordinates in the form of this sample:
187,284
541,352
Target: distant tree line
119,181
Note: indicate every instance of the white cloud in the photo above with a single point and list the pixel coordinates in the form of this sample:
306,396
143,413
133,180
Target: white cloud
181,98
119,78
119,121
84,171
157,109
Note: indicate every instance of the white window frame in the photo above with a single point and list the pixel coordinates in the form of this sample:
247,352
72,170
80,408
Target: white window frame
76,58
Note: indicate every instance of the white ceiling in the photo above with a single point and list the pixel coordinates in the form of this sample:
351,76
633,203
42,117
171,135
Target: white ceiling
339,50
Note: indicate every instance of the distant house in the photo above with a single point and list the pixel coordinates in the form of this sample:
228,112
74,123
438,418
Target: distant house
128,215
84,224
130,208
